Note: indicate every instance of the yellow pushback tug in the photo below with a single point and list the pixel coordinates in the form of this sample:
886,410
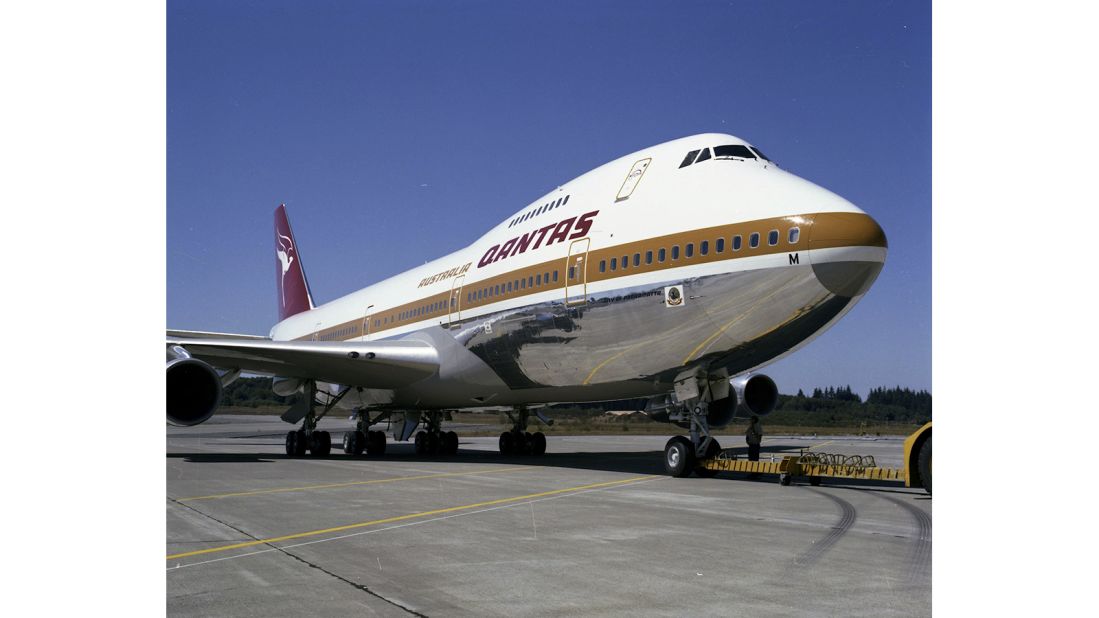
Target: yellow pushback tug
916,471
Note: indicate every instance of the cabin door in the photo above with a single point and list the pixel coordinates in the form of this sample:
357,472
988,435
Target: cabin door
576,273
454,314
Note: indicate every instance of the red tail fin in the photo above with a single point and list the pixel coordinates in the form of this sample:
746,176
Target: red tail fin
294,296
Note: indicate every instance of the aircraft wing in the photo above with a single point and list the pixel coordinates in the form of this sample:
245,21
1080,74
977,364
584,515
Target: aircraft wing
377,364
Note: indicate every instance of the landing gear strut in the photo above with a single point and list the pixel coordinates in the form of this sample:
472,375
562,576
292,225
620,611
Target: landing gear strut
362,438
519,441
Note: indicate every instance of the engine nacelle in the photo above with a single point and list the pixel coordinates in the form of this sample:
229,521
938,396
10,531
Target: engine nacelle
721,412
194,391
756,394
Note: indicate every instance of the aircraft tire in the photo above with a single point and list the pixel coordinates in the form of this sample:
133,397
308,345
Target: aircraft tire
924,464
538,443
506,443
291,444
679,457
450,443
420,443
711,451
358,442
300,443
433,443
521,441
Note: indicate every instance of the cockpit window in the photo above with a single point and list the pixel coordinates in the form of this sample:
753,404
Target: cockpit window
760,153
705,155
689,159
733,150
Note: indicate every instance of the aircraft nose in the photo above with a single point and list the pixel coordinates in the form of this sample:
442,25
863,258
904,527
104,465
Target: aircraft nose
847,251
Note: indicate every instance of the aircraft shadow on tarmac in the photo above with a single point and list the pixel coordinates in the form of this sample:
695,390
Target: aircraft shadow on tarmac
625,462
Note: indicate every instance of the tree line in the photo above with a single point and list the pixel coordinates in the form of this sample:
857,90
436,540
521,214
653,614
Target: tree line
839,405
833,405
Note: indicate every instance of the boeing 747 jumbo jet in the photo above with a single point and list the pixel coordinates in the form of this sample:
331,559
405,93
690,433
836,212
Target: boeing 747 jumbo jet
662,280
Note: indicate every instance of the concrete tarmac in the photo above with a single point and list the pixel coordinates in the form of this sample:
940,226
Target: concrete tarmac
594,527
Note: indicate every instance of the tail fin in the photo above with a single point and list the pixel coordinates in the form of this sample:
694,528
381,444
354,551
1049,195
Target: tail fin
294,296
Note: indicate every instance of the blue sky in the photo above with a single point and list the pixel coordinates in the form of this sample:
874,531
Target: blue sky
396,132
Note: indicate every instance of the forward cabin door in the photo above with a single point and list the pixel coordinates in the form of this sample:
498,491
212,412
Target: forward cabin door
576,273
454,313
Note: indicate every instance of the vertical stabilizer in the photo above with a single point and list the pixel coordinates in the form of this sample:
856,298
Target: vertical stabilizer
294,296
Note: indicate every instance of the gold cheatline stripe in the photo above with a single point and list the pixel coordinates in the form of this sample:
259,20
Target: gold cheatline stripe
390,520
349,484
833,227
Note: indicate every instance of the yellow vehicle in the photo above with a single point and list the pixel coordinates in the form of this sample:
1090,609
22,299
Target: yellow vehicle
917,459
916,470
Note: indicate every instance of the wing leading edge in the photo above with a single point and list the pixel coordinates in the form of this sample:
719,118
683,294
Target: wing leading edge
378,364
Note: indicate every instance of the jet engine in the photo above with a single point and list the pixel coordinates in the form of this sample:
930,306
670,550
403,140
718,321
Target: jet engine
193,389
756,394
721,412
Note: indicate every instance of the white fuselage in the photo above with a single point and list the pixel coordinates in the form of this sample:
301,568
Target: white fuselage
541,309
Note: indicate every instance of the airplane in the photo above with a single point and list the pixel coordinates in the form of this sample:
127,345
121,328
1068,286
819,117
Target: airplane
663,280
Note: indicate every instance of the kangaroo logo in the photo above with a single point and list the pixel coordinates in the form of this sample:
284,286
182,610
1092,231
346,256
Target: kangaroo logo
284,253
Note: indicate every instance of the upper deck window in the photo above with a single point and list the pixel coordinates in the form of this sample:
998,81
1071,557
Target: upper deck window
733,150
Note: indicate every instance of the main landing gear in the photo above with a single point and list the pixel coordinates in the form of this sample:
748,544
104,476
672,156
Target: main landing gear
309,438
362,438
519,441
432,440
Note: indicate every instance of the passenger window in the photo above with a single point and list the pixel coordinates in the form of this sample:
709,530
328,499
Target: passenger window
614,264
793,235
660,255
637,259
689,159
690,249
648,257
530,281
546,278
509,286
719,245
555,275
572,269
772,237
538,279
753,240
704,247
736,242
602,267
705,155
522,284
675,252
625,262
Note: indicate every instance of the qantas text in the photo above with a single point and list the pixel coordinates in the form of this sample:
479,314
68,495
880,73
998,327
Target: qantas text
555,231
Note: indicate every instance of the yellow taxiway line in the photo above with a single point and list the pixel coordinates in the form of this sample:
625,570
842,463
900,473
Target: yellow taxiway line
389,520
348,484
